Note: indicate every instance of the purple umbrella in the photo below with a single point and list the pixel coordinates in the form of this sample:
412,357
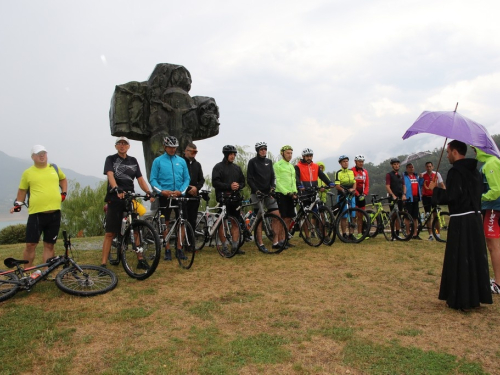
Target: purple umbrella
451,124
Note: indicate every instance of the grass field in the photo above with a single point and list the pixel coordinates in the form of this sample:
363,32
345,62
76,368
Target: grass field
370,308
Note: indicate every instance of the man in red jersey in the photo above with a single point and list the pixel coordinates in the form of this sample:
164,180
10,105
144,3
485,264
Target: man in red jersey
362,185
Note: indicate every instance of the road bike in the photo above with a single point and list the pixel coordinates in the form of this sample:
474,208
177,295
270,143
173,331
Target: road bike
346,218
308,223
179,235
440,222
269,229
79,280
214,223
384,222
137,245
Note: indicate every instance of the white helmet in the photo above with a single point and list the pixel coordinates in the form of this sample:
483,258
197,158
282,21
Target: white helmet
307,151
170,141
359,158
258,145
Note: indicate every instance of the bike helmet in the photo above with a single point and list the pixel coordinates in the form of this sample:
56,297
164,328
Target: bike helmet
342,157
170,141
359,158
307,151
258,145
286,147
395,160
229,149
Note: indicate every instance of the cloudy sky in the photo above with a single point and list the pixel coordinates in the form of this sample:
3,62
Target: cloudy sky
337,76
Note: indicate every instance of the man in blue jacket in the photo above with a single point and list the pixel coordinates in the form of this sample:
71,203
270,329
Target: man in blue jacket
170,177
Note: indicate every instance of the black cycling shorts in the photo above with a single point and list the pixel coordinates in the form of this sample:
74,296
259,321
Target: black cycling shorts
286,205
114,216
39,223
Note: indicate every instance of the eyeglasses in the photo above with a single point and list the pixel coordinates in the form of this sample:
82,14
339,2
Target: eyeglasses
121,143
193,151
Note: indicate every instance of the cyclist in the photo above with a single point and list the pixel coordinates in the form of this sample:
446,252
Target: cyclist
394,184
170,176
228,180
46,185
413,185
428,176
322,194
286,186
362,185
345,183
260,178
121,170
195,184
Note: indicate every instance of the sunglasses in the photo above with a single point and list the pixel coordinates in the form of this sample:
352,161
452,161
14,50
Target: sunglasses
193,151
122,143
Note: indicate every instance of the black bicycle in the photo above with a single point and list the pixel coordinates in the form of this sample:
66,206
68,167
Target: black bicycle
79,280
137,245
346,219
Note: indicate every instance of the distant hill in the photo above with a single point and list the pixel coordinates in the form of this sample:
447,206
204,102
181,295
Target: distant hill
11,169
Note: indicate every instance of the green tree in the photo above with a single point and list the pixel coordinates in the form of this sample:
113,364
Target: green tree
82,212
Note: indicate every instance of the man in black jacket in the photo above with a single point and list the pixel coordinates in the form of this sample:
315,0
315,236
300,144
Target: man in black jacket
228,179
195,184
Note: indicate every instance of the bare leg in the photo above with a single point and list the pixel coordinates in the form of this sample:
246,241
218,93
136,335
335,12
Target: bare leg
29,253
106,246
494,248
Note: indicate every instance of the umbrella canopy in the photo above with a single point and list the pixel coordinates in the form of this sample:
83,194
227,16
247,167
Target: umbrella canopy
453,125
415,156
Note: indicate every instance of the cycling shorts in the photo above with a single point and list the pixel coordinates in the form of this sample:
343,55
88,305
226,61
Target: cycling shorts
412,208
114,216
269,202
360,203
46,223
286,205
491,224
427,203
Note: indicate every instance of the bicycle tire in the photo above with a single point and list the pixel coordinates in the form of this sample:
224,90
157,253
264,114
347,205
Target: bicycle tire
7,290
185,257
406,226
385,227
352,223
326,215
374,224
441,234
200,232
269,229
93,281
114,251
225,248
311,229
151,250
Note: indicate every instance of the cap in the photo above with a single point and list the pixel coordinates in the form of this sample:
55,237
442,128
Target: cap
37,148
119,139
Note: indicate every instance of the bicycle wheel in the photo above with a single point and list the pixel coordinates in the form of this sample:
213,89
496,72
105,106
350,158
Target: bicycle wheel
406,225
271,232
328,220
92,281
185,253
375,223
351,223
231,233
312,230
440,226
200,232
385,225
114,251
7,289
141,255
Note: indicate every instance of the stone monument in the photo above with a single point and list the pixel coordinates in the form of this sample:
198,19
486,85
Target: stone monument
149,111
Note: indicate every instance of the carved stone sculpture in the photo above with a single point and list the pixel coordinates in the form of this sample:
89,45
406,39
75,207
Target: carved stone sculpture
150,111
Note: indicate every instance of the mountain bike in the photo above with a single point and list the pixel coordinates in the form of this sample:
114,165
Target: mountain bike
137,246
269,229
325,213
179,235
343,210
79,280
308,223
440,221
215,223
384,222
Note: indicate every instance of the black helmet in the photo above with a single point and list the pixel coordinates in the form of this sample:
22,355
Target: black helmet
395,160
170,141
229,149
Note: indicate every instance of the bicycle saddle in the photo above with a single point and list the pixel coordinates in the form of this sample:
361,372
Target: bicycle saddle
11,262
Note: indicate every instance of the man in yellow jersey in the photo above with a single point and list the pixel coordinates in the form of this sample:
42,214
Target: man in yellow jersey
47,187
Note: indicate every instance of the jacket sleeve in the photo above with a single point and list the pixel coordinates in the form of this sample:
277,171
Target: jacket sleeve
217,179
493,179
297,176
153,177
250,176
367,185
241,180
200,178
324,178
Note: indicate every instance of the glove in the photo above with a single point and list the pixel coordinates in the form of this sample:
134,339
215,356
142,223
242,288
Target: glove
17,206
332,184
361,198
63,196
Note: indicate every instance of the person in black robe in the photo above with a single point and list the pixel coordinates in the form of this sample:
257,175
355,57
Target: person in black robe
465,282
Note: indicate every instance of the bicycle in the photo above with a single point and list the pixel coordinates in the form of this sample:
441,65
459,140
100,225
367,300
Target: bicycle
326,215
308,223
384,222
137,246
343,210
439,226
179,235
209,224
78,280
269,229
